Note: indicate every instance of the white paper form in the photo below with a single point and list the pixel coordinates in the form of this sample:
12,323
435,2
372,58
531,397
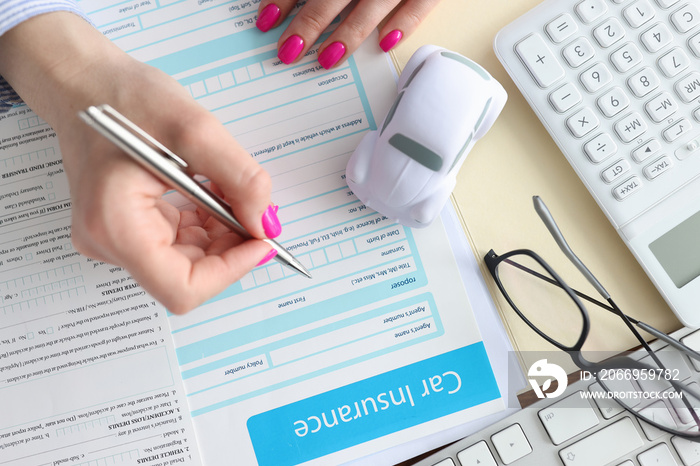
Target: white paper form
88,371
381,347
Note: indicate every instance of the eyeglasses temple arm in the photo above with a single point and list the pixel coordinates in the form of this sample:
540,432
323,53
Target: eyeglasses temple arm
667,339
551,225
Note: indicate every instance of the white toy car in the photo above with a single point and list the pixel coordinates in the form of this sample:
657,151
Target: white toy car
407,168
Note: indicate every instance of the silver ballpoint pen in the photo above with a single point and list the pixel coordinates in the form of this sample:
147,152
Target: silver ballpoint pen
172,171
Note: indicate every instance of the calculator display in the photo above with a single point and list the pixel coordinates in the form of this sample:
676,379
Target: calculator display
678,251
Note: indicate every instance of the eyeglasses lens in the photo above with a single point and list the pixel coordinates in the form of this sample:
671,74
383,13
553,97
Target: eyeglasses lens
542,302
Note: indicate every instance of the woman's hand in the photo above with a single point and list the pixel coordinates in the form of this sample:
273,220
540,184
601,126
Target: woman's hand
316,15
59,64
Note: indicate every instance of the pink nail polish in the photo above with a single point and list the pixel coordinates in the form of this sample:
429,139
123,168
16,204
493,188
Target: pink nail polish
268,16
271,224
331,55
390,40
268,256
291,49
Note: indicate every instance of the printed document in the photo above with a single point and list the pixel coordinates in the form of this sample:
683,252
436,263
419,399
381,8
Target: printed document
379,349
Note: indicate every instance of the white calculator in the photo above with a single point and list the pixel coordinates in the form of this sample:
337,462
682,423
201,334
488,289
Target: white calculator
617,85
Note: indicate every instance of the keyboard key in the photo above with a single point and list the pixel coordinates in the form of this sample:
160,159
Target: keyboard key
603,446
609,33
631,127
639,13
627,188
561,28
614,173
613,102
582,122
578,52
688,450
688,88
609,408
657,167
641,153
659,455
678,129
661,107
659,413
686,18
511,444
567,418
693,341
626,57
600,148
590,10
445,462
596,77
674,62
643,82
478,454
682,410
539,60
565,98
656,38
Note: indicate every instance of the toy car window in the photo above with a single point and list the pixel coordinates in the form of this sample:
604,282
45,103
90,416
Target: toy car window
390,115
416,151
413,75
465,61
471,135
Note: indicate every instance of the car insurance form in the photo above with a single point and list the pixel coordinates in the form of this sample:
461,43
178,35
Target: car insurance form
379,349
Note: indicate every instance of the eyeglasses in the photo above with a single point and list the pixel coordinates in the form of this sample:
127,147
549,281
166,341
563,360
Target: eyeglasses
655,388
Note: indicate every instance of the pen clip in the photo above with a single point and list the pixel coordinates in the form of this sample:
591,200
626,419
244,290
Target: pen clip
125,123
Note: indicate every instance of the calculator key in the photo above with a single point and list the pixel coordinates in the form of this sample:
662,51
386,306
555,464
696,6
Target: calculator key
614,173
561,28
666,3
686,150
656,38
696,114
686,18
627,188
609,32
578,52
539,60
511,444
590,10
613,102
674,62
582,122
594,78
643,152
694,44
631,127
678,129
643,82
626,57
477,454
600,148
657,167
564,98
688,88
639,13
661,107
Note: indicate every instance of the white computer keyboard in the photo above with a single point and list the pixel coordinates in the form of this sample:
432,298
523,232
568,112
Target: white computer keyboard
572,431
617,85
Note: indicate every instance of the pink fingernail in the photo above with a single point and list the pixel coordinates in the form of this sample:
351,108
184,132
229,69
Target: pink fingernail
390,40
271,224
331,55
268,256
291,49
268,16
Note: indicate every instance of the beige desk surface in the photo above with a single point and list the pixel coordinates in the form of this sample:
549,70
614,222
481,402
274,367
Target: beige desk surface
516,160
